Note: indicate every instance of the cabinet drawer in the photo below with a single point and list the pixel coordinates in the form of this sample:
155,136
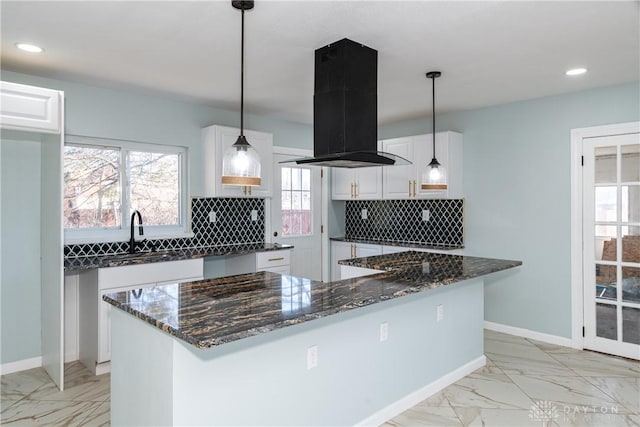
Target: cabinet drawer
272,259
118,277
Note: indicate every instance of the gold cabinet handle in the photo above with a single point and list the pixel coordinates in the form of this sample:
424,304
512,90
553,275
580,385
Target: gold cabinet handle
276,259
409,188
415,194
355,190
353,194
414,183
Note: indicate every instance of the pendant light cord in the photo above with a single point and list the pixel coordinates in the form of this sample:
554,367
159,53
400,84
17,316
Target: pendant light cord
242,77
433,114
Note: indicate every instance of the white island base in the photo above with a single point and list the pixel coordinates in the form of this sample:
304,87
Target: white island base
157,379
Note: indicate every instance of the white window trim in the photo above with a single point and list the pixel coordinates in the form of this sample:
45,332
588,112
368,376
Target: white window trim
104,235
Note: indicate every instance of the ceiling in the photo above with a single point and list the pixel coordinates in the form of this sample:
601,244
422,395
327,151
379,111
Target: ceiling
489,52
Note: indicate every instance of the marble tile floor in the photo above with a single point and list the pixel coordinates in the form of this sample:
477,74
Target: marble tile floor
569,387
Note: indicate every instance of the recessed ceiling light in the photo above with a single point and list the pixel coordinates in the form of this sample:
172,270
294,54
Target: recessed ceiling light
576,71
27,47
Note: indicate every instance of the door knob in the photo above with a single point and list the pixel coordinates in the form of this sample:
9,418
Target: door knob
275,234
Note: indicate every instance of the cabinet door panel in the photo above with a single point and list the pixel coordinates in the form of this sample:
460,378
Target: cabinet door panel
339,250
369,183
342,181
397,181
29,108
368,250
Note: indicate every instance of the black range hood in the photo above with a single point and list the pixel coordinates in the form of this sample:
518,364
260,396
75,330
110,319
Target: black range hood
345,108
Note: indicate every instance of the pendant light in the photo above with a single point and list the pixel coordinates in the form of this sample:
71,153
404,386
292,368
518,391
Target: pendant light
434,176
241,163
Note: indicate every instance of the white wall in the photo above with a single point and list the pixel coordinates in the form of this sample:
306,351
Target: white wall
20,240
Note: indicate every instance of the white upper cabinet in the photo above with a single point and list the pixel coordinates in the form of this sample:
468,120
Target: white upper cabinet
356,183
216,140
30,108
403,182
399,182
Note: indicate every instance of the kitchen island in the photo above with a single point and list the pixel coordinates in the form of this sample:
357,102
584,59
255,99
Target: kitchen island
237,350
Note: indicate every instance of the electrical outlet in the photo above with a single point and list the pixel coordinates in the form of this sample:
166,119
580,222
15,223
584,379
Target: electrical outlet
254,215
439,312
364,214
425,215
384,331
212,217
312,357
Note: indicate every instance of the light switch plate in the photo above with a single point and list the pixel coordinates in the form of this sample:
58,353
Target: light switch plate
364,214
425,215
254,215
212,216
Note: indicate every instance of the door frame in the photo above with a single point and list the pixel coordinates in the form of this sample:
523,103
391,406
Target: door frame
577,278
324,201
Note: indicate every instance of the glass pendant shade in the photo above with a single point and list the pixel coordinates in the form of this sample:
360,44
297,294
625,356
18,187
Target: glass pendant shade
434,177
241,164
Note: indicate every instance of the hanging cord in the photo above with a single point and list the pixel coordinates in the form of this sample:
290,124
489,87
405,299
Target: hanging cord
242,77
433,114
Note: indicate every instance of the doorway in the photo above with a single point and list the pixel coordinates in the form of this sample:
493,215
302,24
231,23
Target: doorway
297,214
610,237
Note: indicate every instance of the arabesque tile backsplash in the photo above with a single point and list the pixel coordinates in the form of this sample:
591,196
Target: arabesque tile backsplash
402,221
233,226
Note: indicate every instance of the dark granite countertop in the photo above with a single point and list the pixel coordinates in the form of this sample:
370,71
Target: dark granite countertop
212,312
119,260
401,244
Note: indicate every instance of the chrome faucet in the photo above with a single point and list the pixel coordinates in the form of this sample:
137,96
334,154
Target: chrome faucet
132,241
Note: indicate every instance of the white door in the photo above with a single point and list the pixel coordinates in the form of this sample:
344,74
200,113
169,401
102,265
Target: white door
611,244
296,214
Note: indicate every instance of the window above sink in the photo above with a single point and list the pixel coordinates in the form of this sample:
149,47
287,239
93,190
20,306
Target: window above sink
106,179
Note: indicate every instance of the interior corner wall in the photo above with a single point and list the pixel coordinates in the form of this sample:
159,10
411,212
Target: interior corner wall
517,194
20,240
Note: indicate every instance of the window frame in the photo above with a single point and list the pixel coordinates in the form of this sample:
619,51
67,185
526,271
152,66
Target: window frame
121,233
291,191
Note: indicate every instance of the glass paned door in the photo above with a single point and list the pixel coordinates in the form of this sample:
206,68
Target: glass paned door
611,239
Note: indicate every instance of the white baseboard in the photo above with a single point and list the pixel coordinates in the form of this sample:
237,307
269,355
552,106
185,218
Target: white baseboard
528,333
20,365
411,400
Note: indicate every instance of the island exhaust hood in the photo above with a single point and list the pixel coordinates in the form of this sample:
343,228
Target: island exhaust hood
345,108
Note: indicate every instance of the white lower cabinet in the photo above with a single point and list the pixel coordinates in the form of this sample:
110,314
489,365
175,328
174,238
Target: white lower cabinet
94,314
348,250
274,261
